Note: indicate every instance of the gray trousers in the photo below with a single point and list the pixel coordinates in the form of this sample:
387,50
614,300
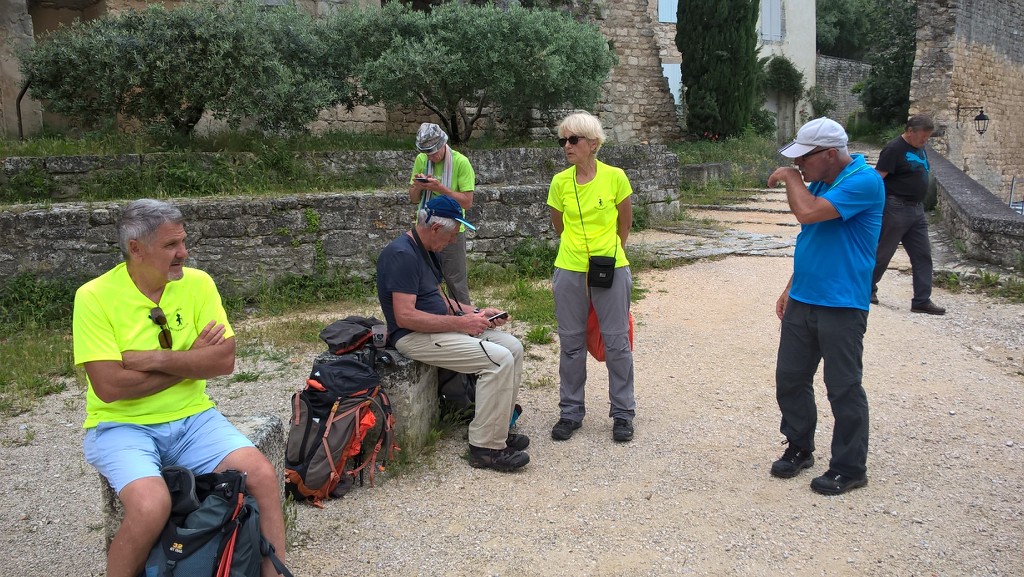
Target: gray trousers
905,222
811,334
496,357
572,306
453,265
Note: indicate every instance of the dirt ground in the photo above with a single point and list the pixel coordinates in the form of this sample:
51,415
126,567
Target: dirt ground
691,495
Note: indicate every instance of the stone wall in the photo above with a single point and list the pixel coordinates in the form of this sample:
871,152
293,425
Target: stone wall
244,241
970,55
636,105
15,32
989,229
837,76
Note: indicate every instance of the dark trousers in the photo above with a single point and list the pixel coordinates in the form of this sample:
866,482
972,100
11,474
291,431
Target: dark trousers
809,334
905,222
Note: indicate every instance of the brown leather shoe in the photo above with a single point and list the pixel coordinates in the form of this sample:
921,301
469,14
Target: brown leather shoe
928,308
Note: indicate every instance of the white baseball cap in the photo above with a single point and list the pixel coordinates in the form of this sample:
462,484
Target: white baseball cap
820,132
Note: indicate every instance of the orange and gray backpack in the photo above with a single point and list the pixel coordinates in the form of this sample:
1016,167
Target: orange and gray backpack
341,403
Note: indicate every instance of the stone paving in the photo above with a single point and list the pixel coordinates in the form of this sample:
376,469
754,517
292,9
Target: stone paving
757,222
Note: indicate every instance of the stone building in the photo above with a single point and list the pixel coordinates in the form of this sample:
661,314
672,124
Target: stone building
970,55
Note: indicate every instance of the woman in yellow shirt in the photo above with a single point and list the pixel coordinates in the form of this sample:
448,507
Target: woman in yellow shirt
592,214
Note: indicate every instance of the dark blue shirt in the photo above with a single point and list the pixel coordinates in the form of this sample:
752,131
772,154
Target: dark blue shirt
402,268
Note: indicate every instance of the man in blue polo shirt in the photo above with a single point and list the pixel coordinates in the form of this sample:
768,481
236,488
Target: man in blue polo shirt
824,309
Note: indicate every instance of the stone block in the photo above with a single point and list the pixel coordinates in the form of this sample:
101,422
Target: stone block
265,431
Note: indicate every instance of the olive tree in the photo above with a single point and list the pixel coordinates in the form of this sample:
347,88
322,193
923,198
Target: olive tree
458,60
166,68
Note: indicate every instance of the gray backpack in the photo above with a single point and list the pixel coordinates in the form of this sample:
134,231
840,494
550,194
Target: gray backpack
214,529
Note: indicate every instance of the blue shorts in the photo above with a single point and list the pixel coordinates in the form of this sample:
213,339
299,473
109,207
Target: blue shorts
124,452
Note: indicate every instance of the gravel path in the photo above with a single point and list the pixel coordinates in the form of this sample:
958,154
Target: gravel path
691,495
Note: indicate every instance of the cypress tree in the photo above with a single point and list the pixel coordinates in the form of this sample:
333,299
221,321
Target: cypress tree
718,42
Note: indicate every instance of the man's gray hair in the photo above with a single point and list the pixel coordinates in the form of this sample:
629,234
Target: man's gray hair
921,122
141,218
447,224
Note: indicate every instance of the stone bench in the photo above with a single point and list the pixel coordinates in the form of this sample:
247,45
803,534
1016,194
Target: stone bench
265,431
411,386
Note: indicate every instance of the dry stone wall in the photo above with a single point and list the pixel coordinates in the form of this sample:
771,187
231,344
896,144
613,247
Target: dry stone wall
837,77
971,54
244,241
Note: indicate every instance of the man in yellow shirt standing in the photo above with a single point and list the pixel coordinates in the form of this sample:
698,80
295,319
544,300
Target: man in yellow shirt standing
148,333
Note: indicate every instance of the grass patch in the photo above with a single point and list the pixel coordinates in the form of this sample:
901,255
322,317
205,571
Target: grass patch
28,303
991,284
245,377
289,292
746,150
282,334
529,301
540,335
33,363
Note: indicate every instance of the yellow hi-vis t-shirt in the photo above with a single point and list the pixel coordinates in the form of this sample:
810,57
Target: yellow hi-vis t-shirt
599,200
112,315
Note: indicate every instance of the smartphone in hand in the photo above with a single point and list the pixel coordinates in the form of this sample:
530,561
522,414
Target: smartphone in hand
503,315
423,179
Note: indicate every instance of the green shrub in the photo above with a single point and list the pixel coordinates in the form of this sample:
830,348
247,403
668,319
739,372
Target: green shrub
28,302
782,76
166,68
763,123
821,102
460,56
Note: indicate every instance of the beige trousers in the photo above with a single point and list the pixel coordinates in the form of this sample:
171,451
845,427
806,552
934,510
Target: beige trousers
495,357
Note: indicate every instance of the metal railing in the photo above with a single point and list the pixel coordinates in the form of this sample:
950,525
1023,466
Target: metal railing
1018,206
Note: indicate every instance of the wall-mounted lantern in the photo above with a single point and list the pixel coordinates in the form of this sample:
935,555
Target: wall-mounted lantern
980,121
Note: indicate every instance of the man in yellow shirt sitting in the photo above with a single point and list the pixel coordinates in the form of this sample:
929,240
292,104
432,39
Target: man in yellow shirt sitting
148,333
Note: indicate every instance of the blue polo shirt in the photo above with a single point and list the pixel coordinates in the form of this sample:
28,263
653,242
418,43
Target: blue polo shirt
834,259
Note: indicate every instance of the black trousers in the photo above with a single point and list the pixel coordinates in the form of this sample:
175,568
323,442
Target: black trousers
905,222
811,334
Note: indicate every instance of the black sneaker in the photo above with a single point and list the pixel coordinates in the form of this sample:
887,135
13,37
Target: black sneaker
507,459
517,441
564,428
928,308
832,483
622,430
792,462
874,299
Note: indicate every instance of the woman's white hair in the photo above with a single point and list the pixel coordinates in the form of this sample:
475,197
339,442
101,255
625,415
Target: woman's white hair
582,124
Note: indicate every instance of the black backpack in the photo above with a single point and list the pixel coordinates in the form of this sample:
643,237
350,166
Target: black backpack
340,405
214,529
348,334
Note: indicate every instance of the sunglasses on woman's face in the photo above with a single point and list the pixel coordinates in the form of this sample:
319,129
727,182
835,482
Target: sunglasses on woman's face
573,140
158,318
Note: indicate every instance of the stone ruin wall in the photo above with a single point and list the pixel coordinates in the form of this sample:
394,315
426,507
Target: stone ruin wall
837,77
971,53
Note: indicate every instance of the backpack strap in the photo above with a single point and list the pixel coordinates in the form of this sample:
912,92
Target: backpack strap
267,550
